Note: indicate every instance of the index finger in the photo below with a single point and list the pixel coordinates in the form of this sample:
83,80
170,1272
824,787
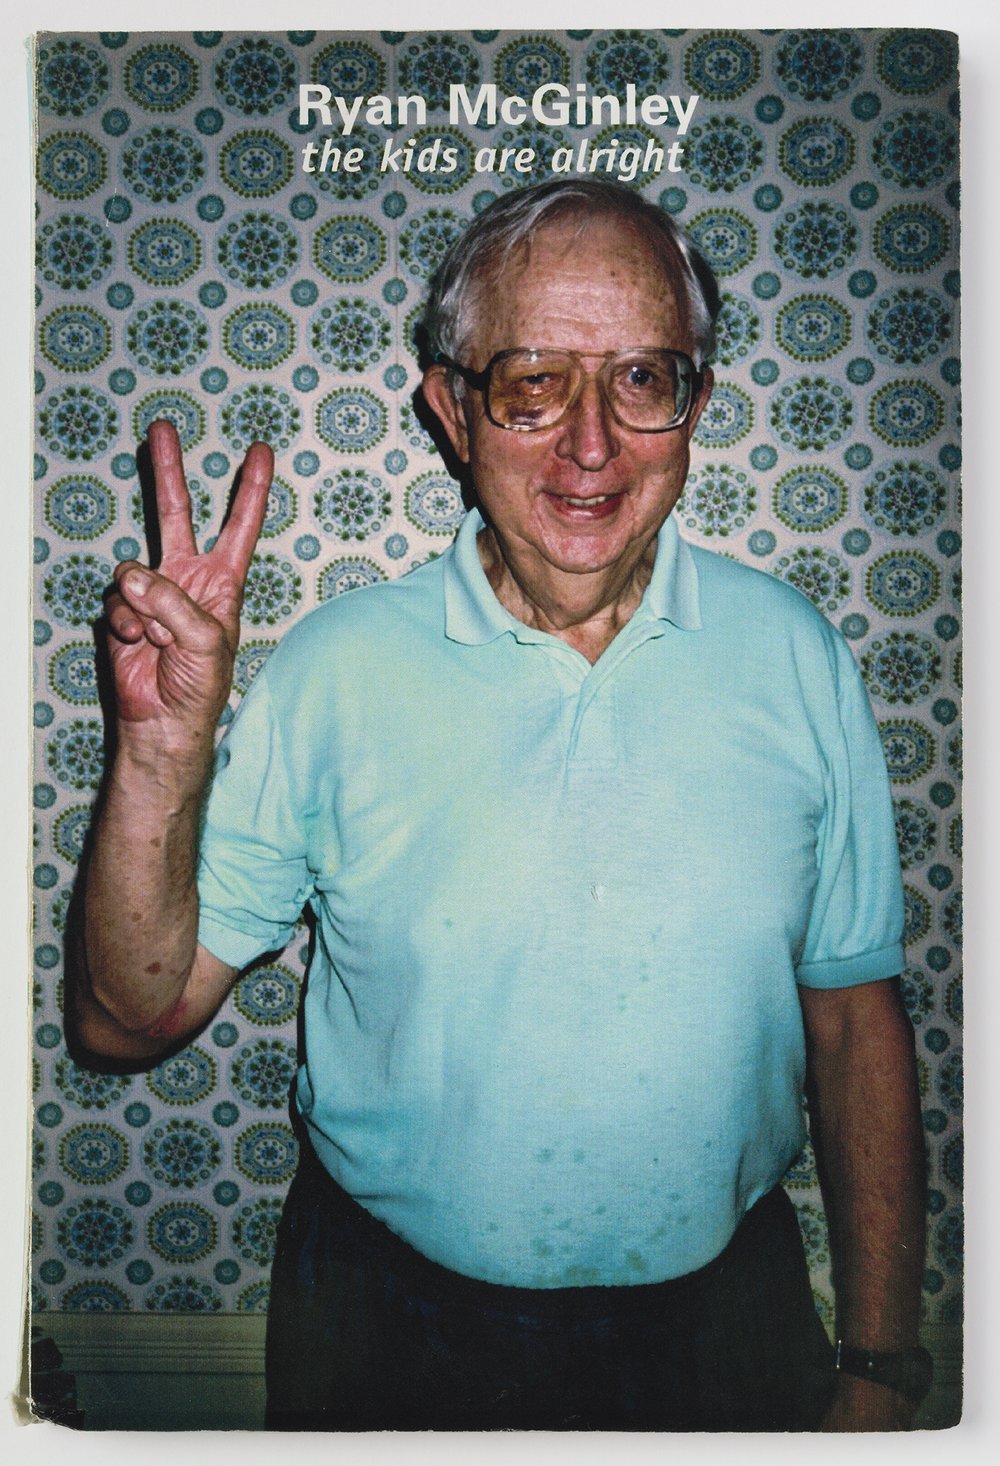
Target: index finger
241,531
173,502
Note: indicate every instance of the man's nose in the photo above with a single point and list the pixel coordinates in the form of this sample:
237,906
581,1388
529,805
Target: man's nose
589,433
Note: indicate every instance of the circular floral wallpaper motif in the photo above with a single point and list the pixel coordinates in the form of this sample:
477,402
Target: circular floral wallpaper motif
161,77
71,165
73,252
717,500
350,69
819,66
815,240
524,64
722,66
813,327
73,77
163,164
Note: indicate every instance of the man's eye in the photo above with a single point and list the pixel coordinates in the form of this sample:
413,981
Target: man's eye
535,381
641,377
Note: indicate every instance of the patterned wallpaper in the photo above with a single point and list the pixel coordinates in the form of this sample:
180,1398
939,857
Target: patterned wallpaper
189,268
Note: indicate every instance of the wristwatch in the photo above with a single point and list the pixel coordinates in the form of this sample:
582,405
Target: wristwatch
910,1371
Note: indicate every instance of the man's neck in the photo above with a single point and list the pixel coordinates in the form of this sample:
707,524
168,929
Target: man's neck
586,611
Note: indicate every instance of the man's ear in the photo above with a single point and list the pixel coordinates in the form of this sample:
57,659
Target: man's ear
440,396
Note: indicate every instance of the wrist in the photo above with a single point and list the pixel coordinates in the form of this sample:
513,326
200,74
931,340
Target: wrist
858,1405
152,757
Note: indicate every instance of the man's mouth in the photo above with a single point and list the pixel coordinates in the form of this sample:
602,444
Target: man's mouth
593,505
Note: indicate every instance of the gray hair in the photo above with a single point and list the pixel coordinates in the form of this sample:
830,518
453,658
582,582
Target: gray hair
514,220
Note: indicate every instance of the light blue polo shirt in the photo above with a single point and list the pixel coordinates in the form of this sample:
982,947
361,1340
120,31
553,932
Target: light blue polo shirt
552,1032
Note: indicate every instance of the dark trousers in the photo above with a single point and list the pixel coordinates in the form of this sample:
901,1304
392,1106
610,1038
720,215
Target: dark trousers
364,1333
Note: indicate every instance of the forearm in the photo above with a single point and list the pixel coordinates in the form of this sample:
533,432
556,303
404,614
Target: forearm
141,905
867,1131
868,1135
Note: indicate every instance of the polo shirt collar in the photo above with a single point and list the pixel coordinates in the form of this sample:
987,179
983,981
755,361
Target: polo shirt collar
473,614
672,592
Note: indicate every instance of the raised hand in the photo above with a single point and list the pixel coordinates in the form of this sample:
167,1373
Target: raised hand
174,630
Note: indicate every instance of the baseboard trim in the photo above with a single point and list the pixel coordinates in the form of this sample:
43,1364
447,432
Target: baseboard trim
137,1371
121,1343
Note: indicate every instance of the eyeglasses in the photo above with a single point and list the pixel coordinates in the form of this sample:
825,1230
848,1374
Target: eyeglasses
648,389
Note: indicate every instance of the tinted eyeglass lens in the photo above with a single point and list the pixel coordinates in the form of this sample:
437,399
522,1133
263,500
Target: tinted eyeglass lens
530,389
647,390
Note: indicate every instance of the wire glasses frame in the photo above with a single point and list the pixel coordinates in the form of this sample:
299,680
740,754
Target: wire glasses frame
648,389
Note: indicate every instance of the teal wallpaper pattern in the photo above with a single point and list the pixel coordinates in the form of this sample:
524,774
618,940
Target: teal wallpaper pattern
189,268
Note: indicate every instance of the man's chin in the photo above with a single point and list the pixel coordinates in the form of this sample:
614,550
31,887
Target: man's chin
588,552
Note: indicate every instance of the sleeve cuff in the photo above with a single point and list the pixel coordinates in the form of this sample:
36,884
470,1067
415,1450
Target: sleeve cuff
236,948
844,972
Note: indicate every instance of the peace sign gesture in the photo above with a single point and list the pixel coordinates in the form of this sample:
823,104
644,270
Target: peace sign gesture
174,630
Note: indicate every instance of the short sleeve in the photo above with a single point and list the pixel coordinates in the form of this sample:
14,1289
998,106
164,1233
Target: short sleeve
855,930
253,878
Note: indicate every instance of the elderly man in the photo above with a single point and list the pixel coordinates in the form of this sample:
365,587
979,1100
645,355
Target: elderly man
596,832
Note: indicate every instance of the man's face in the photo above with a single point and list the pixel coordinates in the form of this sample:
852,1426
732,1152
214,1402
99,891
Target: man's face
586,494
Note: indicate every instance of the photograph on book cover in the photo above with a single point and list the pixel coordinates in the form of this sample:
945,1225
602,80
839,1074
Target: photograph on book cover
533,871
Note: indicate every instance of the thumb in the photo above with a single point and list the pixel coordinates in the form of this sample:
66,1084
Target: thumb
168,613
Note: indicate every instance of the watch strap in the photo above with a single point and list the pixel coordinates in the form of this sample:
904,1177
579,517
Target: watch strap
909,1371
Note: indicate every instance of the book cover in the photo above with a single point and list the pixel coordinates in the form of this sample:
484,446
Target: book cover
235,232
